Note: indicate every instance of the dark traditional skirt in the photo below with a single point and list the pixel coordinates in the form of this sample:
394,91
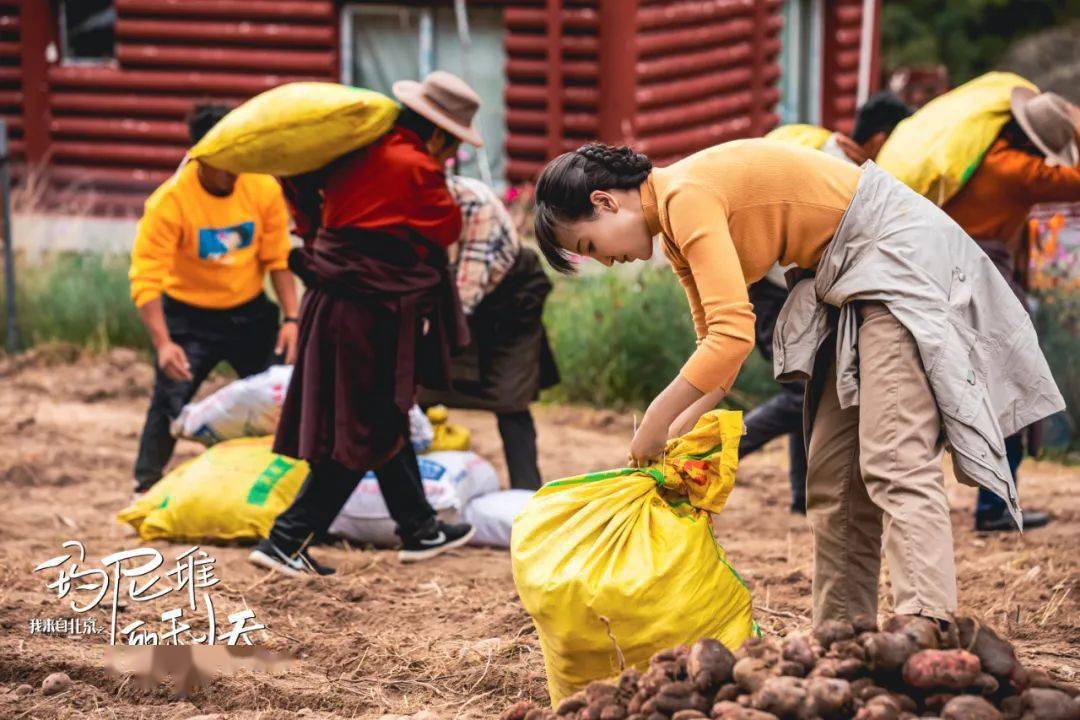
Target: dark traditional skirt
509,359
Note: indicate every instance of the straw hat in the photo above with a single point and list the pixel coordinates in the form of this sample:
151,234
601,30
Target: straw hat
444,99
1051,121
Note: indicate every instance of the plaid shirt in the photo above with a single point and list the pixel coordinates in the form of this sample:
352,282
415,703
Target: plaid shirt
489,241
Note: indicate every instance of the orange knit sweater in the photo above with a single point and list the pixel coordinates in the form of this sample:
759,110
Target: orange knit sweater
727,214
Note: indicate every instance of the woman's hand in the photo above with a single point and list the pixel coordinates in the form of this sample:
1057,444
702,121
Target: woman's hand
648,443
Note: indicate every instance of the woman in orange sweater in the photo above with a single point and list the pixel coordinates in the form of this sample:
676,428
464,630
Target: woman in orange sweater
887,265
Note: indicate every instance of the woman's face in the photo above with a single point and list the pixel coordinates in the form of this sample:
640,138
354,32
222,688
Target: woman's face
616,233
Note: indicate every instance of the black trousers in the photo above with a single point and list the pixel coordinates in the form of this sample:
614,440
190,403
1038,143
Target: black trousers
518,433
242,336
329,485
782,414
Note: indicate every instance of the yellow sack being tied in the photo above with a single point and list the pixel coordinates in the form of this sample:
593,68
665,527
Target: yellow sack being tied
810,136
233,491
627,558
936,150
296,128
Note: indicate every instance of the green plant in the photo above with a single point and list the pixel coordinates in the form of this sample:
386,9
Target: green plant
1057,319
620,338
77,298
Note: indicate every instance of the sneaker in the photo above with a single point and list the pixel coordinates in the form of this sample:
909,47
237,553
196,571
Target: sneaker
432,541
268,555
1004,523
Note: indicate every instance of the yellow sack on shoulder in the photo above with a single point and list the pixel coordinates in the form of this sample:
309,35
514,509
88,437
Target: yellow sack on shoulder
296,128
936,150
233,491
629,554
810,136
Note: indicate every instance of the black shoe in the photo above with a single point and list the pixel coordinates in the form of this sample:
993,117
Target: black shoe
1004,522
434,539
268,555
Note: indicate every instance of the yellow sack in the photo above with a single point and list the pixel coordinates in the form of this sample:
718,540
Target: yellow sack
810,136
631,552
937,149
295,128
446,436
233,491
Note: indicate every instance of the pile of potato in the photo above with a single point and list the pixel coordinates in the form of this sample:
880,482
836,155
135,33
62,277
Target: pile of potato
906,670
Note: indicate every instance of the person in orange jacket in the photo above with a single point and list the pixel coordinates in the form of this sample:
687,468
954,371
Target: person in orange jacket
1033,160
204,246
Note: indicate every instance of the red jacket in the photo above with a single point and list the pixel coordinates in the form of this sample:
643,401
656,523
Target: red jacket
391,185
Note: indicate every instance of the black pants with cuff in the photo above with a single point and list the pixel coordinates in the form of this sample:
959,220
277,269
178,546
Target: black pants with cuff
243,336
518,433
329,485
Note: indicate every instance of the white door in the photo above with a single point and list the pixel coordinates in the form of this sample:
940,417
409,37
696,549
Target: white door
385,43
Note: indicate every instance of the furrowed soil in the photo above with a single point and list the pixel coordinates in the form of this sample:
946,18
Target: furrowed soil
380,638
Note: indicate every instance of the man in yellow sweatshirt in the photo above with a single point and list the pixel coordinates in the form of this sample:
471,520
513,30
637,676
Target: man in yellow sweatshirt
206,240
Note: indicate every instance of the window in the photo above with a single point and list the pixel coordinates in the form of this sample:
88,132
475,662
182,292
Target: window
800,62
87,30
385,43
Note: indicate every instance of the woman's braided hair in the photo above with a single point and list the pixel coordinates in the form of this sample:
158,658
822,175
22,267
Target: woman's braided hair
564,187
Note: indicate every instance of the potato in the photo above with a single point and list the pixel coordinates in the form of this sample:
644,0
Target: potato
850,668
55,683
782,696
628,681
985,685
750,673
826,667
759,647
832,631
709,664
734,711
600,691
792,669
871,691
688,715
928,669
798,648
996,655
540,714
969,707
881,707
1048,704
613,712
517,711
571,704
937,701
847,650
728,692
887,652
923,631
828,698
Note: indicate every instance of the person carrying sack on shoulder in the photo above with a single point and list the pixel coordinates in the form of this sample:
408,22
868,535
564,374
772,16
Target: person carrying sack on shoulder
890,282
380,314
1034,160
204,246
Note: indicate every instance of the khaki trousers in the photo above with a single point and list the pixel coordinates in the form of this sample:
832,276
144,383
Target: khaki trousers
874,473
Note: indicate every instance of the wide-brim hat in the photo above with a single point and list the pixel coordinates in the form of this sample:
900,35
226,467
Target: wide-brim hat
1050,121
444,99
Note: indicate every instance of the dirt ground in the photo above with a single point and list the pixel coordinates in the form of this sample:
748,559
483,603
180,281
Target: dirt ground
380,638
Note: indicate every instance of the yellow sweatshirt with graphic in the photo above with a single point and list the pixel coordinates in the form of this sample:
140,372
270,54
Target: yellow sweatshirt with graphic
206,250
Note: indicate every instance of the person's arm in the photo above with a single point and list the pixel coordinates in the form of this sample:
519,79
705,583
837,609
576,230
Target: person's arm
285,289
171,358
1039,181
156,242
274,247
699,226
